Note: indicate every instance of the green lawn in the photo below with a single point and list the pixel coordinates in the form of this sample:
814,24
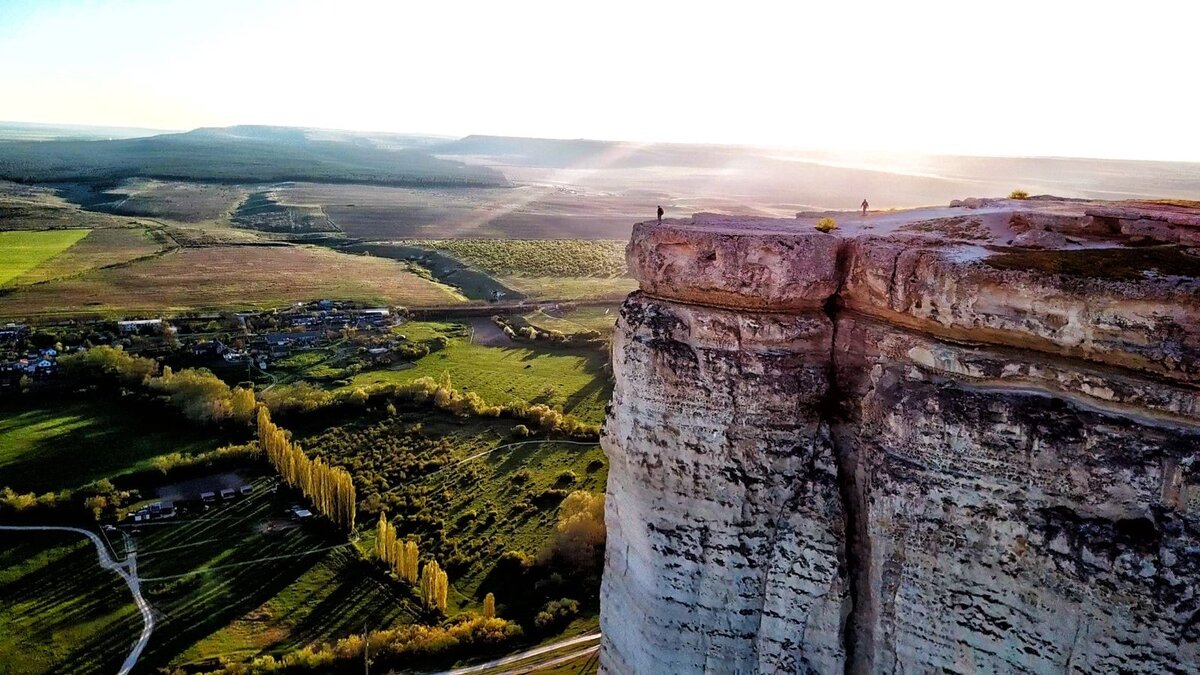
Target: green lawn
54,598
50,446
22,251
571,379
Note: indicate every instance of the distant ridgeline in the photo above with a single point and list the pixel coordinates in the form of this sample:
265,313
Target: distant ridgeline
233,155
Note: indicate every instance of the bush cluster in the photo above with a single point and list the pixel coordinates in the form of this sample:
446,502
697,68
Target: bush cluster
177,461
95,499
556,614
106,363
204,397
400,648
440,393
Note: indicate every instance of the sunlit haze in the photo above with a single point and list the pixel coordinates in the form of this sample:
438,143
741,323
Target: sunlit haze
1013,78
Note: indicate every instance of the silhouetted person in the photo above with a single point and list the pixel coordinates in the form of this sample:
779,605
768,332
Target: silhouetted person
660,212
864,207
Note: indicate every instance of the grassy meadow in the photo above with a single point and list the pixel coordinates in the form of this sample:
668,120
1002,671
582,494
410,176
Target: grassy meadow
572,288
100,248
54,600
23,251
52,445
600,318
573,379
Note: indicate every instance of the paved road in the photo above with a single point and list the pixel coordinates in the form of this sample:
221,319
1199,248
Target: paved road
127,570
537,651
556,661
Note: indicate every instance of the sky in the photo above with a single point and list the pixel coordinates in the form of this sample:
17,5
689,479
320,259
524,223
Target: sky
1044,78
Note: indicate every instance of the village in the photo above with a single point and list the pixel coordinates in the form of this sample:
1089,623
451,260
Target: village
255,341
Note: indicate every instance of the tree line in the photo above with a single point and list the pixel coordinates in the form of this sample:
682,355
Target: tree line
329,488
196,392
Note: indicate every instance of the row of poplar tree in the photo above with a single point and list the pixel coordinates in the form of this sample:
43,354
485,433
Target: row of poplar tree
331,491
403,556
329,488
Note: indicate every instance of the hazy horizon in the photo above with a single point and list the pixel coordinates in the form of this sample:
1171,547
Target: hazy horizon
144,132
863,76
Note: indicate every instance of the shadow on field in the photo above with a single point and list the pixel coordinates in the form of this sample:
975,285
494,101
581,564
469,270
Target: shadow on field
593,388
358,601
68,592
221,540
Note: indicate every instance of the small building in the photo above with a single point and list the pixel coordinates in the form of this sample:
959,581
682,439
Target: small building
139,325
12,332
306,338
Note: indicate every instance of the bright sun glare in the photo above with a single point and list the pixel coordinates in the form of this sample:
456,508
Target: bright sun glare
1017,78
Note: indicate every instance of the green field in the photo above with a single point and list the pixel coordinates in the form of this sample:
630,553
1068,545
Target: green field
54,600
228,277
49,446
468,468
238,597
23,251
238,581
572,379
103,247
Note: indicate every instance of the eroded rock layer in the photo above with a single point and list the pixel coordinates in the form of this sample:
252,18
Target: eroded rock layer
910,445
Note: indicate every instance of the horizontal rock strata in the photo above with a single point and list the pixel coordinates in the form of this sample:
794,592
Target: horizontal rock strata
906,449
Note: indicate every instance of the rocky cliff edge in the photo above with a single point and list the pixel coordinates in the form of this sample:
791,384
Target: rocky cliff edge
960,438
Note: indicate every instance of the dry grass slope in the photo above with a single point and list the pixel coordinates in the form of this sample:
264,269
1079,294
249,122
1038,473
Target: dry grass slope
101,248
227,277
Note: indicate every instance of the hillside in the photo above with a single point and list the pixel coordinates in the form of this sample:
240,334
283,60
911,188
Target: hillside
235,154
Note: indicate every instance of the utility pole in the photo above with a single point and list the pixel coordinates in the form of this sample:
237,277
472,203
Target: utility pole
366,650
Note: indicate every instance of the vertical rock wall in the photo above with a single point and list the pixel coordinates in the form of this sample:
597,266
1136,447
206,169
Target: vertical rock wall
884,454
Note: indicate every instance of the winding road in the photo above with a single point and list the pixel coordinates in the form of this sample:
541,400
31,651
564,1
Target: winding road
127,570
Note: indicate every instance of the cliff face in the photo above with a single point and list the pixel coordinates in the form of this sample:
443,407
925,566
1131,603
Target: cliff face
909,445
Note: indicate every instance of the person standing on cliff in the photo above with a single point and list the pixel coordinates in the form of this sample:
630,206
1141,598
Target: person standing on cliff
660,214
864,207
